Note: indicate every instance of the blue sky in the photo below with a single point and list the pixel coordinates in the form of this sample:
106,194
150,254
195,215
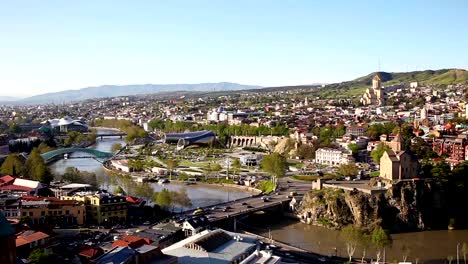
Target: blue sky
57,45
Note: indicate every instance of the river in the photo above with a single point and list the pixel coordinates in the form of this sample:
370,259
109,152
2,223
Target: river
428,246
200,195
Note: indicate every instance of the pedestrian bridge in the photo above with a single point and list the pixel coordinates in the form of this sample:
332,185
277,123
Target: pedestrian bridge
58,153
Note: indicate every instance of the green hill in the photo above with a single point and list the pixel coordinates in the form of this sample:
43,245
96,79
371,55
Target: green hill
437,77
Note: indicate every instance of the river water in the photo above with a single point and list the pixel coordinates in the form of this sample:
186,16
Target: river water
200,195
428,246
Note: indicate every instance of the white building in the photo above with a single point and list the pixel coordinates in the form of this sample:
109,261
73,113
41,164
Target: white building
329,156
219,246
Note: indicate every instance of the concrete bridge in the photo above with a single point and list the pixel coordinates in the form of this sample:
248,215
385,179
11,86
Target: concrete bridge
59,153
243,207
120,134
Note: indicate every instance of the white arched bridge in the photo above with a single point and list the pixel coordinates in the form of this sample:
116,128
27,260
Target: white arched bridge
58,153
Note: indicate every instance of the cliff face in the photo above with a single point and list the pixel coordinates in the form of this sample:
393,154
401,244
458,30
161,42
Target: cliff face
406,206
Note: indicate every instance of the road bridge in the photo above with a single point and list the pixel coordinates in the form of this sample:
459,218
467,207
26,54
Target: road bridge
118,134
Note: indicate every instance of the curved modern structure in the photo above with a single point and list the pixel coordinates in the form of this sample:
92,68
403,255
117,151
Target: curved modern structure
183,140
66,124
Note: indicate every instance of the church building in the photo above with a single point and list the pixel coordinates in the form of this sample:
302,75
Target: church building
374,95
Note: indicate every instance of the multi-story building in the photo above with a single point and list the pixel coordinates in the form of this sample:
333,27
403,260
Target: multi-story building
329,156
454,148
102,207
53,211
10,206
356,131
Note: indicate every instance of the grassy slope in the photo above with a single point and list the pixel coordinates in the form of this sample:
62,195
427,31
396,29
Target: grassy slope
358,86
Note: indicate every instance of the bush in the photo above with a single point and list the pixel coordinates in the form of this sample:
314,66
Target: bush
266,186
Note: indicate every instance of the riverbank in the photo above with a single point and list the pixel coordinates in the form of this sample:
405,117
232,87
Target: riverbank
107,128
228,185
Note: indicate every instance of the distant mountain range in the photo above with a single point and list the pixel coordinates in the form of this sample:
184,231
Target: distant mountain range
8,98
349,88
125,90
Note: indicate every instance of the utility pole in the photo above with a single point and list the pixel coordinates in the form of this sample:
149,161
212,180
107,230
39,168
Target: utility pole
458,258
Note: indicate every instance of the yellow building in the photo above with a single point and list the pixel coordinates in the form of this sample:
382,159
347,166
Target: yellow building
102,208
53,211
374,95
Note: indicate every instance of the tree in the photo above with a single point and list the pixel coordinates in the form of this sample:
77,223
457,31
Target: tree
13,166
352,235
216,168
236,165
365,243
381,239
450,259
464,250
171,165
36,168
349,169
119,191
378,152
306,151
181,198
164,198
144,190
405,250
43,148
275,164
136,165
15,129
354,148
116,147
441,170
39,256
74,175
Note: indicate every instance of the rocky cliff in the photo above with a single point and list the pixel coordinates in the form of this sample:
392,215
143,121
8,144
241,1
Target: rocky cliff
406,206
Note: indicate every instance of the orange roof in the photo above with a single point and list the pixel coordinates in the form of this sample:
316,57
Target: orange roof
131,241
90,252
6,179
26,239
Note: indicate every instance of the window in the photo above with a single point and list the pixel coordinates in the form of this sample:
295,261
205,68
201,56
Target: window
30,213
78,211
24,213
67,212
43,213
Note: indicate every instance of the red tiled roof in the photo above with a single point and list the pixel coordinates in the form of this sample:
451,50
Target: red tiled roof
15,188
23,240
7,179
31,198
133,200
131,241
90,252
135,239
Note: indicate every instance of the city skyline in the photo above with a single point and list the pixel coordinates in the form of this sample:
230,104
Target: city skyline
55,47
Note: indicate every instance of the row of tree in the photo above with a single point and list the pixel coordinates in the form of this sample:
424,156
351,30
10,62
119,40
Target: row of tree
77,138
33,167
378,238
133,131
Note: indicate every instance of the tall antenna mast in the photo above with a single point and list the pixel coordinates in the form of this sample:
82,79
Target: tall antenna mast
378,65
